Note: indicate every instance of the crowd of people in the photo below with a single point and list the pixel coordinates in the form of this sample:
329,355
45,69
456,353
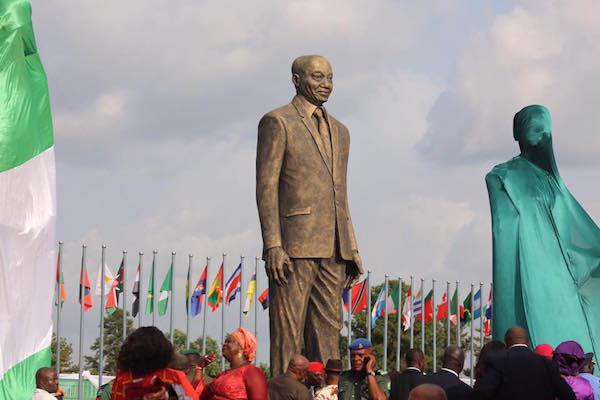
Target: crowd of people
150,369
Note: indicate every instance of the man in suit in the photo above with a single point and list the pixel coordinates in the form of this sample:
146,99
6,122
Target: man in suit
403,383
290,385
309,245
520,374
448,377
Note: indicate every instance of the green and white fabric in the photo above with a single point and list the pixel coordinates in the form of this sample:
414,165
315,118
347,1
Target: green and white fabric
27,205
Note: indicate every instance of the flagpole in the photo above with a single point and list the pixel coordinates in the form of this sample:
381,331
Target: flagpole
481,335
368,313
349,324
124,280
172,295
154,252
58,305
255,299
223,314
423,315
448,313
434,325
188,303
103,274
204,308
140,263
255,303
81,316
458,338
385,323
412,317
472,331
399,328
241,287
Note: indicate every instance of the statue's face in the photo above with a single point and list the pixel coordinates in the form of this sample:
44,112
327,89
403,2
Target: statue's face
537,130
315,83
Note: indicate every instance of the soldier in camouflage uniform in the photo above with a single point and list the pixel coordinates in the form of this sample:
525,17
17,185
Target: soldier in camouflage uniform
363,382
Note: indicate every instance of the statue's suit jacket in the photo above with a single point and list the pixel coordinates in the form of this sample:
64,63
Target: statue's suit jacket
302,199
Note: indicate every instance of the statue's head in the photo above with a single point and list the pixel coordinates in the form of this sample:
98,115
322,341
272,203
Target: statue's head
532,126
313,78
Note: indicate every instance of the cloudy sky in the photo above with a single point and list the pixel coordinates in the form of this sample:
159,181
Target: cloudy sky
156,106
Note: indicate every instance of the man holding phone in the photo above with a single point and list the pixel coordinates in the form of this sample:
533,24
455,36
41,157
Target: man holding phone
363,381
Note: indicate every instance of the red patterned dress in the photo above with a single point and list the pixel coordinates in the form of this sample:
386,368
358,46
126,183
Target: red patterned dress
244,383
128,387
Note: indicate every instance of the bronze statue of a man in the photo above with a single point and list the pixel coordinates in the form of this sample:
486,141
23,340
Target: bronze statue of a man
309,243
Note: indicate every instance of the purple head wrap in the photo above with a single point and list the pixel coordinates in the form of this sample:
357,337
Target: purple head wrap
570,357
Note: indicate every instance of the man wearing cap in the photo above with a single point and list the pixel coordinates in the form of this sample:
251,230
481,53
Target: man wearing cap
363,381
587,372
314,377
333,369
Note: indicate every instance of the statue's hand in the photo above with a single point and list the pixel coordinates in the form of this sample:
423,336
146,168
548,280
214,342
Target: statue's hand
277,258
354,270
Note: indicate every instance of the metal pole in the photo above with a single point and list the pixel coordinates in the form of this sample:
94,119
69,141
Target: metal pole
154,252
187,301
103,274
368,313
481,335
433,325
223,315
349,324
399,328
124,280
241,287
385,323
458,338
204,307
448,313
172,297
472,348
140,294
255,304
412,317
255,299
81,317
58,304
423,315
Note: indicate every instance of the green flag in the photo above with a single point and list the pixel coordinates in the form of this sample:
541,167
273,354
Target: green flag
150,294
467,309
165,292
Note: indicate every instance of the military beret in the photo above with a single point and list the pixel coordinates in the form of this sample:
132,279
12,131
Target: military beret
359,344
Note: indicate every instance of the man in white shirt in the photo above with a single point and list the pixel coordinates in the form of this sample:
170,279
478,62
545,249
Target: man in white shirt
46,382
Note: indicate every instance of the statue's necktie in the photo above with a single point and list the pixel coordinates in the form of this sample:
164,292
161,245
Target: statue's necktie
324,132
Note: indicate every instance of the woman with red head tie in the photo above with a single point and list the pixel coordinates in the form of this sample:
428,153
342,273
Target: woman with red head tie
243,381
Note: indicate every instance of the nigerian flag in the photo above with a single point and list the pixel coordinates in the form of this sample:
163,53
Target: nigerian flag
27,205
165,292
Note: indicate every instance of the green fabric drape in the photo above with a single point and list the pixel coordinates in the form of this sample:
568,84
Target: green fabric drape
546,247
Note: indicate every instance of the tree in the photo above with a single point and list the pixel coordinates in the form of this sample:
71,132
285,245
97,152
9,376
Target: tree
113,338
212,347
66,352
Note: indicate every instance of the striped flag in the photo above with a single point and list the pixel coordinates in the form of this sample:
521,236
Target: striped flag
28,211
120,281
165,292
60,280
84,280
135,307
215,295
250,294
382,306
428,311
112,301
264,299
359,297
406,315
108,280
198,294
233,285
488,315
150,292
477,305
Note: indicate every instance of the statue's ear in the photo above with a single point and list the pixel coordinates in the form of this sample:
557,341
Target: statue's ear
296,80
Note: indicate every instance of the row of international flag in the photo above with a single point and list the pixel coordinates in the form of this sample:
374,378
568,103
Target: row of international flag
422,308
114,285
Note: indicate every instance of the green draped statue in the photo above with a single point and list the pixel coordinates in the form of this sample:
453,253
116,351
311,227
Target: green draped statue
546,247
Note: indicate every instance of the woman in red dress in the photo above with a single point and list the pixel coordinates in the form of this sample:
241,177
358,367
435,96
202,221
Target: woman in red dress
142,369
243,381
